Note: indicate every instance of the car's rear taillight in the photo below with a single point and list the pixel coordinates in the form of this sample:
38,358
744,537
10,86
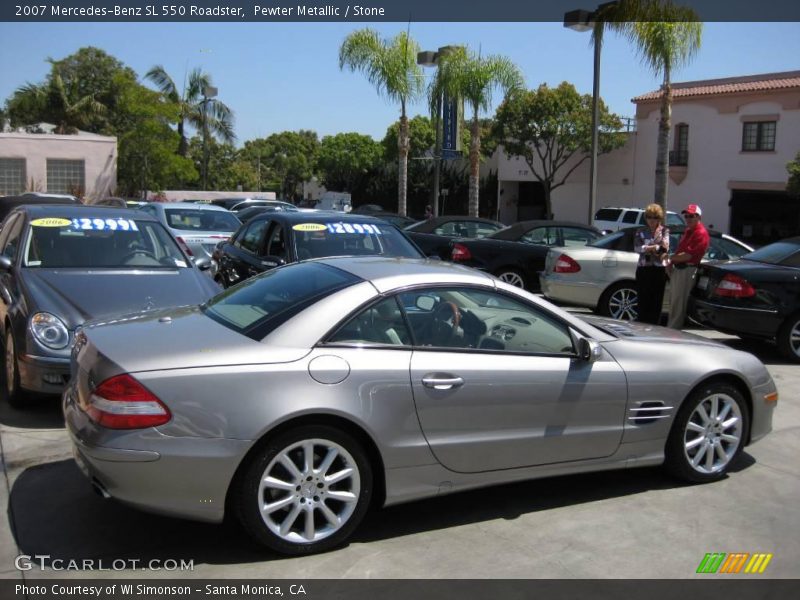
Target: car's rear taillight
183,245
733,286
566,264
460,252
121,402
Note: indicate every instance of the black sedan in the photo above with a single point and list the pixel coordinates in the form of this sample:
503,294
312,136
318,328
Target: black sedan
276,238
434,235
757,296
62,265
517,254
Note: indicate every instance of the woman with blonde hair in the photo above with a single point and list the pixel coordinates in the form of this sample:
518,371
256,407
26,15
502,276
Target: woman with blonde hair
652,244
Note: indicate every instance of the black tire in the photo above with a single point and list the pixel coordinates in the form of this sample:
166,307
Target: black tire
789,338
15,395
310,490
620,301
693,437
513,277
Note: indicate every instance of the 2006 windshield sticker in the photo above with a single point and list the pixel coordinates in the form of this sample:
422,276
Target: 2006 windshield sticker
365,228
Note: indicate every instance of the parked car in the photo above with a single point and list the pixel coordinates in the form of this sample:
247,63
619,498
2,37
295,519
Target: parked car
276,238
335,384
198,228
517,253
433,235
602,276
610,219
367,209
399,221
62,265
9,203
756,296
273,204
248,213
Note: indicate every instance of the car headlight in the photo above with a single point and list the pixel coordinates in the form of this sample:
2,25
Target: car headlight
49,330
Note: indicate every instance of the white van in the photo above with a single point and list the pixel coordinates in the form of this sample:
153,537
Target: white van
612,219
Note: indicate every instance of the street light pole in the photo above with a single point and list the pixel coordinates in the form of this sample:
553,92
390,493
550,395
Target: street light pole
584,20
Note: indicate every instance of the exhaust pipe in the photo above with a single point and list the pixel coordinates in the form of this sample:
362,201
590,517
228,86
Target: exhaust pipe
100,490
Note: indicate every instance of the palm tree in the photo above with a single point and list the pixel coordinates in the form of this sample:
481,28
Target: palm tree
666,37
57,107
205,114
473,78
391,66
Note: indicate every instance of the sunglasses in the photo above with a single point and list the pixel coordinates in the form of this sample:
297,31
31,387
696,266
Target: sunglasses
686,216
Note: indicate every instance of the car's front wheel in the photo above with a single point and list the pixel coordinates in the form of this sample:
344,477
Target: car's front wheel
14,392
708,434
789,338
620,301
306,491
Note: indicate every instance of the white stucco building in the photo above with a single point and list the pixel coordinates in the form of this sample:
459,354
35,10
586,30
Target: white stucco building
84,164
730,142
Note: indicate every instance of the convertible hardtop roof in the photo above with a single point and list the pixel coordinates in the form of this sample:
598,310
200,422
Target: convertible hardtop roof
77,211
318,217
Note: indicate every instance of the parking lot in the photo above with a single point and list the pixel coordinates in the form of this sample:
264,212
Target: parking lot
623,524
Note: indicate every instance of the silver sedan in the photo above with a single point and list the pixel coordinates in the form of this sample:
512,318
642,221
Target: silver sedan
300,397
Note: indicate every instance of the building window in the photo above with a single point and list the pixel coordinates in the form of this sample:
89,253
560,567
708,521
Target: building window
12,176
66,176
679,157
758,136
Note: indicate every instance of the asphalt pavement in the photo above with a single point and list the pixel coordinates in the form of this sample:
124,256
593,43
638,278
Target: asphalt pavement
636,523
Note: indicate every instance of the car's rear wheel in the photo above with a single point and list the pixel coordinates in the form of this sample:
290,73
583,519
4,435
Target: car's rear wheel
620,301
14,392
306,491
512,276
789,338
708,434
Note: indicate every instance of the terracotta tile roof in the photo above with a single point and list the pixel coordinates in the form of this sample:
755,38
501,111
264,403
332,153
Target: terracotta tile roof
730,85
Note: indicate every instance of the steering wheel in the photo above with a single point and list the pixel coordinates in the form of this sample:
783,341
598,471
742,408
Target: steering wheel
446,319
142,251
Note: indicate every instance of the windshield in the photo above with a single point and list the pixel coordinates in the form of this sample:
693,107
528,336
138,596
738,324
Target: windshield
194,219
258,305
100,242
351,238
613,241
779,253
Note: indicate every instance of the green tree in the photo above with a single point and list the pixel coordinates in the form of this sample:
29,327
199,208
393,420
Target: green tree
283,161
666,36
793,186
194,107
420,166
551,127
228,168
391,66
473,78
347,160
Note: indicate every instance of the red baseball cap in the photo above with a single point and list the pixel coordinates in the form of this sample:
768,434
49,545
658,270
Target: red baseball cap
692,209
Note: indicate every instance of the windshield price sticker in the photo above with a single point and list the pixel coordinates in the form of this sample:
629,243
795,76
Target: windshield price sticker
309,227
364,228
84,224
51,222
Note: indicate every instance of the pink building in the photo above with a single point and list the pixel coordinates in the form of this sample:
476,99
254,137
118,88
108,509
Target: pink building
730,142
84,164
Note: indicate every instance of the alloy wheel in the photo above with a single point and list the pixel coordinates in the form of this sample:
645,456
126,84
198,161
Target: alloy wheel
713,433
513,278
309,490
623,303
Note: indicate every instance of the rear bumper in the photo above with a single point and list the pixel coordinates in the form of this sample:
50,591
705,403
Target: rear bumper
580,293
185,477
43,374
752,322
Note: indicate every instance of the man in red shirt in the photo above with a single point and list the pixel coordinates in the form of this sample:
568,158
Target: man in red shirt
683,264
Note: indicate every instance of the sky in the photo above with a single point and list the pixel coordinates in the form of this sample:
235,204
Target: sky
285,76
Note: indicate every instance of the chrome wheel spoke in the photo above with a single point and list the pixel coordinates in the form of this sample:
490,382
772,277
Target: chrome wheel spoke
309,531
695,442
337,477
287,523
714,408
700,454
328,461
724,412
288,463
278,505
721,453
731,439
730,423
709,457
347,497
331,516
695,427
701,412
277,484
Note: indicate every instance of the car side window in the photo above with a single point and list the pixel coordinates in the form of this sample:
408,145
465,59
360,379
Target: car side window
630,216
11,242
482,320
276,242
380,323
541,235
574,236
483,229
452,229
723,249
251,239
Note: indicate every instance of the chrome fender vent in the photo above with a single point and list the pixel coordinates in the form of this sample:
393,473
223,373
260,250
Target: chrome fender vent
649,412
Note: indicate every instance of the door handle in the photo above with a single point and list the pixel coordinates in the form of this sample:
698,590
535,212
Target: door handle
442,383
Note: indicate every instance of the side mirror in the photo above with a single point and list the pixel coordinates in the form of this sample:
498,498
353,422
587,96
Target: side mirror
588,350
203,262
5,263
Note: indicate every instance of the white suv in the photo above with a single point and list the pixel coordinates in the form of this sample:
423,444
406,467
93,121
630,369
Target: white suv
613,219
